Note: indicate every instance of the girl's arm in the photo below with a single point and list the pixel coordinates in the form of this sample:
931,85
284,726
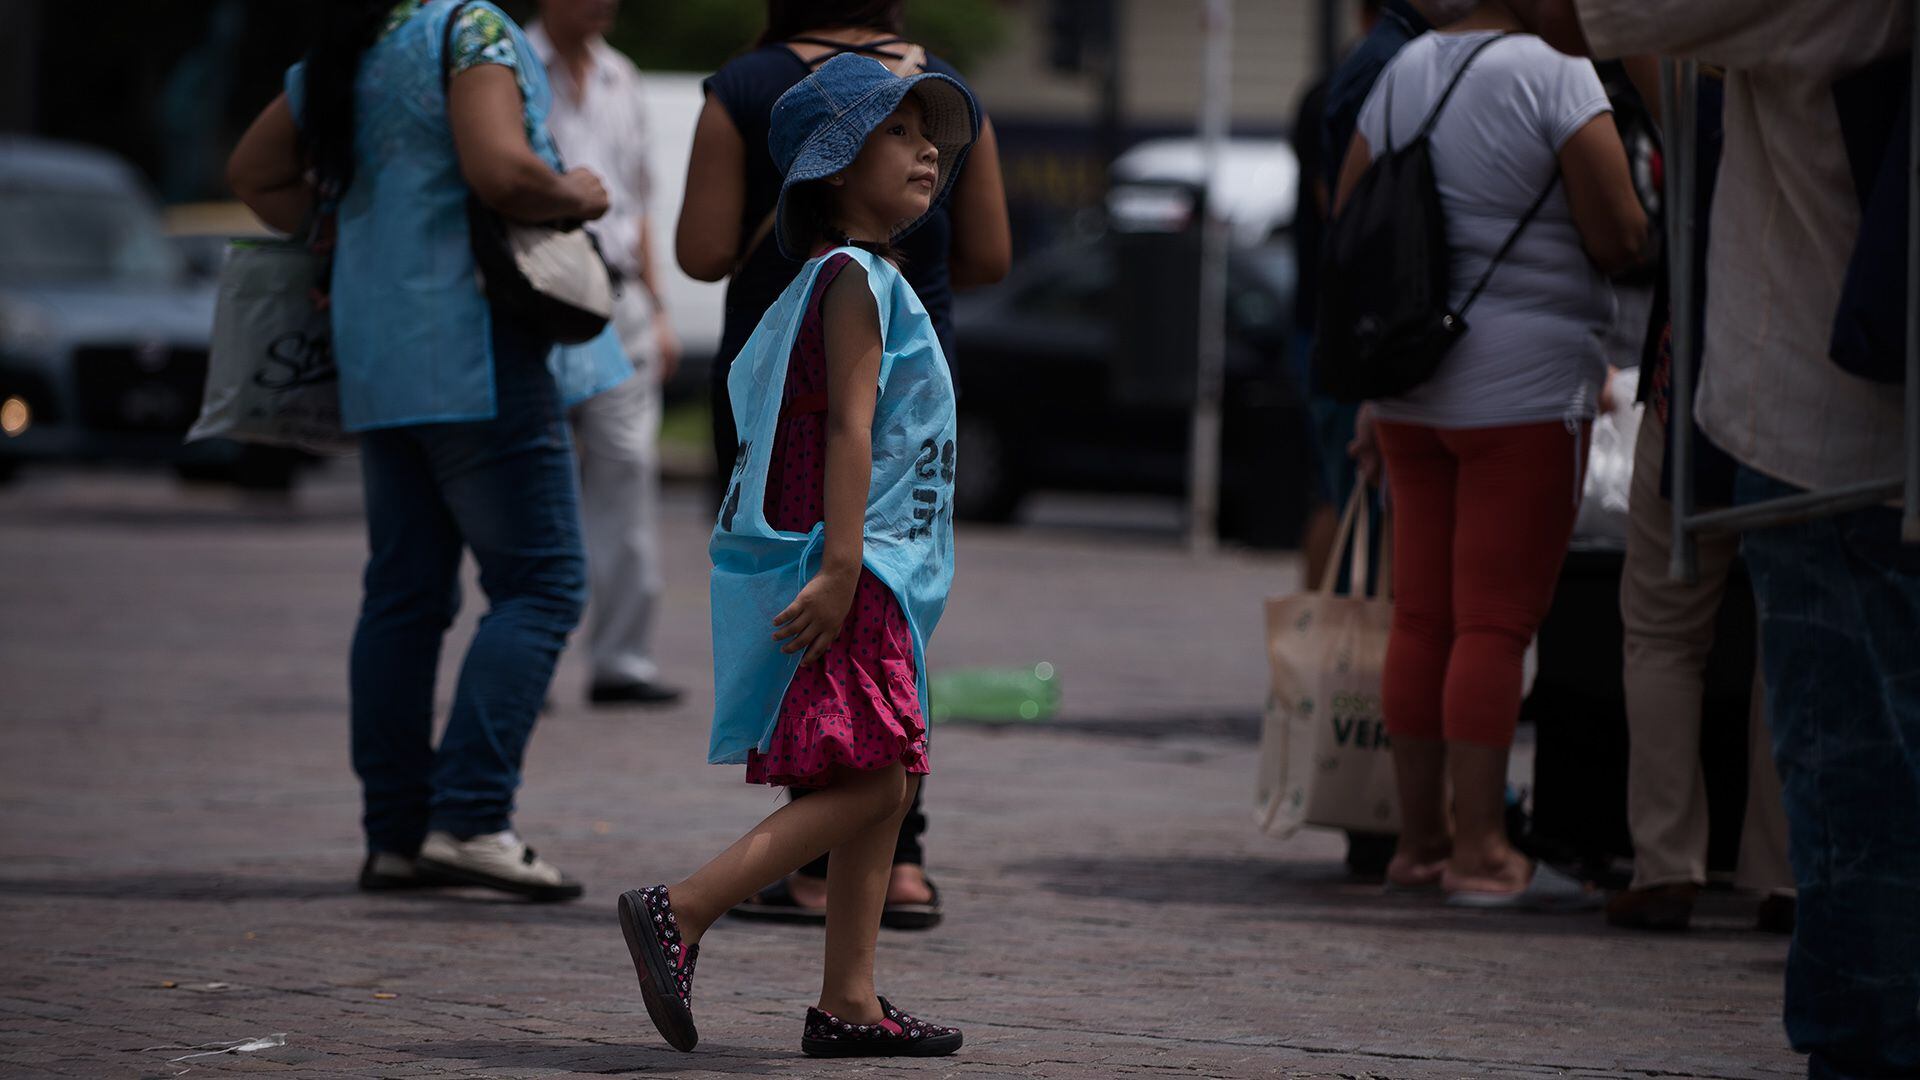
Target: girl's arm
851,322
266,170
707,240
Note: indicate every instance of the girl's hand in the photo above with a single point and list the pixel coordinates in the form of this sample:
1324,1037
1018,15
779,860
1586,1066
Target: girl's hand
815,617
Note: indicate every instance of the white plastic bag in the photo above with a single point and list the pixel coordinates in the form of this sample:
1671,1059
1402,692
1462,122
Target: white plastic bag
1603,504
270,374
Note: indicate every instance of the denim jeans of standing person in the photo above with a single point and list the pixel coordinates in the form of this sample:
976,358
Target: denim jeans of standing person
1839,605
503,488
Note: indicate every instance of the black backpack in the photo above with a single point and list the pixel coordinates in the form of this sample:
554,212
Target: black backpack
1384,321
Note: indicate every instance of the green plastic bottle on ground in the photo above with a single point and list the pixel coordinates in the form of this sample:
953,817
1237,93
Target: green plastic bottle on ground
996,695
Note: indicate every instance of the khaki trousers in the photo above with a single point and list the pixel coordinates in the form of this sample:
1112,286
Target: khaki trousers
1669,632
616,435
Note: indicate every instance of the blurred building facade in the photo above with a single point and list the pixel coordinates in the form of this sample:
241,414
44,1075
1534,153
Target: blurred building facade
1064,105
171,84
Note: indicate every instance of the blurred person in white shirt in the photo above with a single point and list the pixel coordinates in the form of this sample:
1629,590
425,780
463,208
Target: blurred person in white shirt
599,121
1838,596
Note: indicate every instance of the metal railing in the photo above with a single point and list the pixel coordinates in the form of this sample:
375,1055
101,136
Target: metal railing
1678,85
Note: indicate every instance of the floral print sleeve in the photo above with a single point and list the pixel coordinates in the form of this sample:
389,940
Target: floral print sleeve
482,37
483,34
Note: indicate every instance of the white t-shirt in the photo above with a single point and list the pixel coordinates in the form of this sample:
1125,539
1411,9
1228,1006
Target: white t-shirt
1532,351
601,124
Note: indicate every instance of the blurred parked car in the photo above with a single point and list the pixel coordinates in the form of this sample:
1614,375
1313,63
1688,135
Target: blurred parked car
1256,188
1076,374
103,332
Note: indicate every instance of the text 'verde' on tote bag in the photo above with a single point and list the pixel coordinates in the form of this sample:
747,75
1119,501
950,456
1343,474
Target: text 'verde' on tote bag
551,275
271,378
1324,755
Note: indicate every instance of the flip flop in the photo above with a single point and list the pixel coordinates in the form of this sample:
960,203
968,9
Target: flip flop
1548,890
776,903
1390,887
1425,888
913,916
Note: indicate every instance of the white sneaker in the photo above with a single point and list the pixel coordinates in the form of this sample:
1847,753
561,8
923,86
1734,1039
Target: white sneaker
495,861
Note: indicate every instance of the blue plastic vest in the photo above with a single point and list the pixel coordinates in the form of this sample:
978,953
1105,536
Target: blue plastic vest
758,570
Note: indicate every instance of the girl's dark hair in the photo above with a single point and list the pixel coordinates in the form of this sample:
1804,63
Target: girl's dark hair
788,19
810,208
346,29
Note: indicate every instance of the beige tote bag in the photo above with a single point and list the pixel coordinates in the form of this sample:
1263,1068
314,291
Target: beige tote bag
1324,758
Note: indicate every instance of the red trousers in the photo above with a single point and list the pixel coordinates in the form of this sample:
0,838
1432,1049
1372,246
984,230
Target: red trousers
1482,518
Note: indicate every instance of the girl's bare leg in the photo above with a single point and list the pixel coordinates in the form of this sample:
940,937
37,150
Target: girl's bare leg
790,837
857,880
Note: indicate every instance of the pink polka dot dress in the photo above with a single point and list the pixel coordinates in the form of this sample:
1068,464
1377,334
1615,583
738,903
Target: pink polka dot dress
859,705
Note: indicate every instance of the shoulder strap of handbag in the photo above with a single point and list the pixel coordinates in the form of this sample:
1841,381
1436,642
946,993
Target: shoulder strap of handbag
759,237
912,62
446,45
1426,129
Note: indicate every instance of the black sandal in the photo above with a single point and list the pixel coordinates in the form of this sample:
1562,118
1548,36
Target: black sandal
913,916
776,903
663,962
896,1035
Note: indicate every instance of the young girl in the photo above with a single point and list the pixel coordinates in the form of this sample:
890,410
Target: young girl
833,552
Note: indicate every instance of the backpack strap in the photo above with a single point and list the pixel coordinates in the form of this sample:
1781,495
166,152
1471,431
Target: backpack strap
1525,220
1453,84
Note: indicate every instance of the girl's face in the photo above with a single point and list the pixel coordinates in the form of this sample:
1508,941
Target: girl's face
892,182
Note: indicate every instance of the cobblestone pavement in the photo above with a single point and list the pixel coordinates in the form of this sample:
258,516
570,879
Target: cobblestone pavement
180,839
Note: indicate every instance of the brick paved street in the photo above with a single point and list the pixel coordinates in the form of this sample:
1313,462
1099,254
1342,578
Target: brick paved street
180,838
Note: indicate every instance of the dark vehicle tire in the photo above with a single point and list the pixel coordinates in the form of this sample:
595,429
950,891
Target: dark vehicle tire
9,470
984,488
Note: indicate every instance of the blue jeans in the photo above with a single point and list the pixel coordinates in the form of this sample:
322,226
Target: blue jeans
505,489
1839,605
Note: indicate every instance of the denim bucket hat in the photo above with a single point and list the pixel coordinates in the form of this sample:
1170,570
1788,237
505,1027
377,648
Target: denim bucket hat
819,126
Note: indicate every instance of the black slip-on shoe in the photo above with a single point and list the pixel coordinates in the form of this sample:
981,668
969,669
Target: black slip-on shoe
663,963
633,693
896,1035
